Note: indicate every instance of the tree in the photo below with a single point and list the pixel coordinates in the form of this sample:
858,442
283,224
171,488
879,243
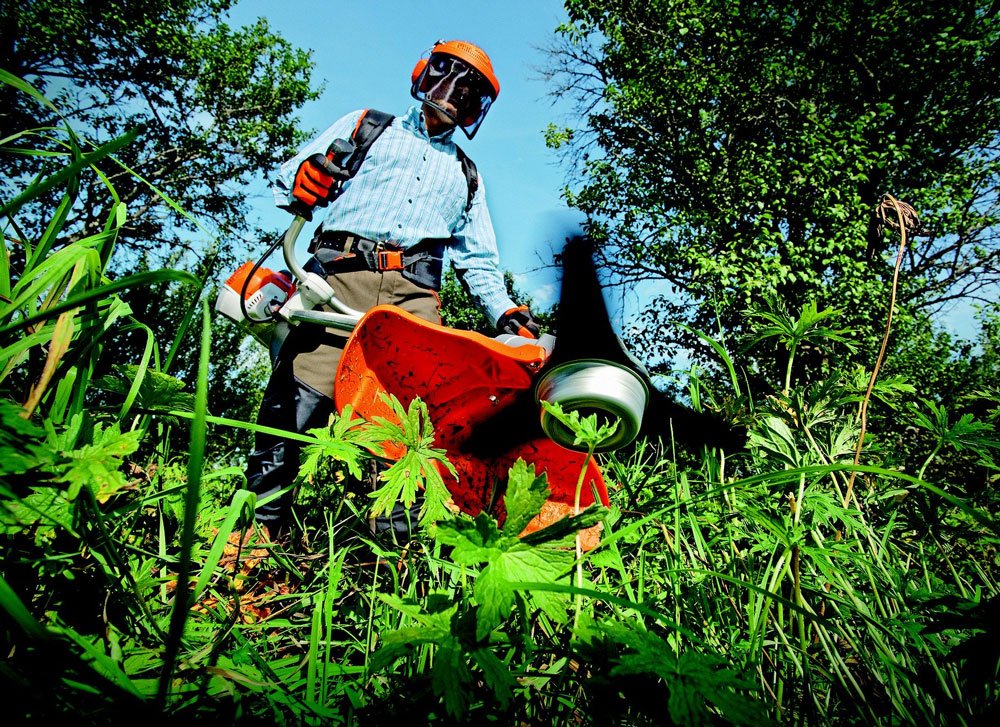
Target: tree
736,152
215,105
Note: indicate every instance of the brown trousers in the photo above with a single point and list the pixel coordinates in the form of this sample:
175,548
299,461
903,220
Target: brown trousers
299,393
318,350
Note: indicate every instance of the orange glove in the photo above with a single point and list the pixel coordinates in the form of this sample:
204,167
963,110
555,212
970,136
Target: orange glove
313,182
518,322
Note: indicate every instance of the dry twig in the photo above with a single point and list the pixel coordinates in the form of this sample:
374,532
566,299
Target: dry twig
906,220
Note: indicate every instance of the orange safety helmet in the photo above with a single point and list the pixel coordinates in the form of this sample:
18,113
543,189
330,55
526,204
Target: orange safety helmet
457,79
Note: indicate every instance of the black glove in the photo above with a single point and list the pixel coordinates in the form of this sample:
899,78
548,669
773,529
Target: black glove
313,182
518,322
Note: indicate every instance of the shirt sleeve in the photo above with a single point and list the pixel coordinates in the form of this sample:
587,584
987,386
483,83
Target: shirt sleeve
476,260
284,179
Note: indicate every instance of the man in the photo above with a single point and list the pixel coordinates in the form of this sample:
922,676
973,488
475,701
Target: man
381,241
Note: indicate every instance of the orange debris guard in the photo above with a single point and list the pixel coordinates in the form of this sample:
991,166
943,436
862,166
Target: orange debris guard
478,393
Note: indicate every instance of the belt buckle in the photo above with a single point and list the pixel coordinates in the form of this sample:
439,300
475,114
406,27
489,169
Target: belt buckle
388,259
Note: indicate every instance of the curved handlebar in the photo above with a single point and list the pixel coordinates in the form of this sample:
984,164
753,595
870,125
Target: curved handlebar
313,289
288,246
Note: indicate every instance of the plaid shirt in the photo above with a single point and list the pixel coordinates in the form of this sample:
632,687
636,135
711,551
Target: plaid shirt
411,187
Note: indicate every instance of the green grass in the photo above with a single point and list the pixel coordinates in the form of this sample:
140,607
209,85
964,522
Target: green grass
729,587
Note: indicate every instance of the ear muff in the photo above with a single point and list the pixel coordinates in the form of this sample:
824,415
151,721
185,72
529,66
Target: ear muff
417,70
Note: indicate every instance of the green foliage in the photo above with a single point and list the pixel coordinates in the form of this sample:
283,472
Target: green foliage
20,441
739,153
454,654
62,309
556,137
793,333
711,598
238,369
177,112
96,465
508,559
587,433
54,162
966,433
344,441
52,468
695,688
215,105
417,468
458,309
156,391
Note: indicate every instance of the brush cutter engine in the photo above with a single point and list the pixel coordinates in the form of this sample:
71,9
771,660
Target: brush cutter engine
252,295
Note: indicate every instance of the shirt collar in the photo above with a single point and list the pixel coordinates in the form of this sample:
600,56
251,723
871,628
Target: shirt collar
414,119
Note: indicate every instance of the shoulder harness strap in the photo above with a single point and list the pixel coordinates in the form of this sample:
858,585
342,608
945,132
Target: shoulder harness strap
370,126
471,176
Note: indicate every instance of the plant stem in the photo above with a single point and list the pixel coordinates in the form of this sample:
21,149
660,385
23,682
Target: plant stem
885,343
788,369
930,458
579,542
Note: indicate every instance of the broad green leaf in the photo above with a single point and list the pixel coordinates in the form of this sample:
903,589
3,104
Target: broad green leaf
96,465
526,494
473,540
156,391
586,431
497,675
21,442
449,677
41,512
417,468
521,562
331,443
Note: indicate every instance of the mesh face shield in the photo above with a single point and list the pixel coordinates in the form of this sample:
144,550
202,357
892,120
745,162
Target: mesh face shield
456,89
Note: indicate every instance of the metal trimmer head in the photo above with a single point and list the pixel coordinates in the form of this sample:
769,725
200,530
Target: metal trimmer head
612,392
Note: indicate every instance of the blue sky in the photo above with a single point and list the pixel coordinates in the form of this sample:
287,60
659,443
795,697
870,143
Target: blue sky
364,52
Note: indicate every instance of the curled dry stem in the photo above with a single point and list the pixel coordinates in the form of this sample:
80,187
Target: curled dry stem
906,220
